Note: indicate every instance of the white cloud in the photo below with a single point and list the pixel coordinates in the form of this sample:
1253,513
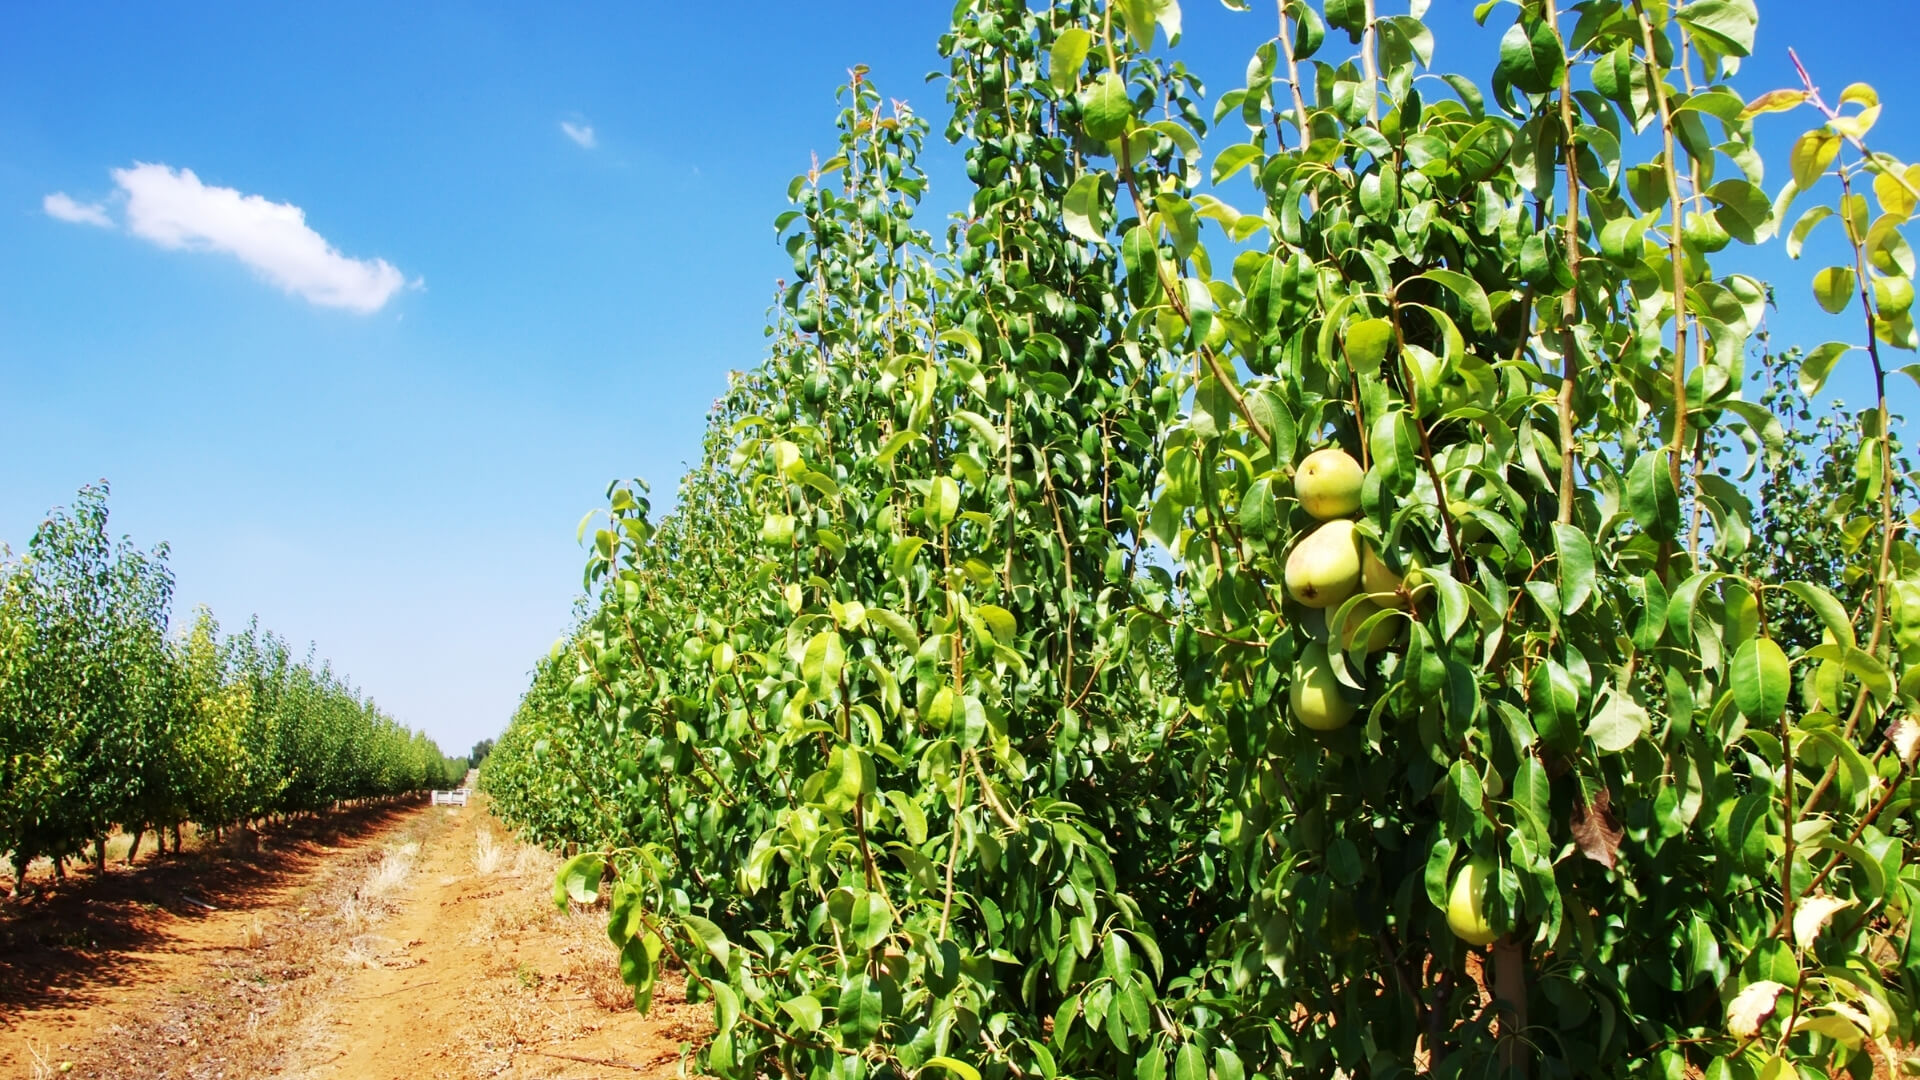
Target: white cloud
61,205
173,209
580,133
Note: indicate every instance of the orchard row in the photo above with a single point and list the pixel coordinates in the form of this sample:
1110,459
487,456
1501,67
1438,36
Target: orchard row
108,720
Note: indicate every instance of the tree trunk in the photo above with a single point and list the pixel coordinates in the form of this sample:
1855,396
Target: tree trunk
100,853
134,848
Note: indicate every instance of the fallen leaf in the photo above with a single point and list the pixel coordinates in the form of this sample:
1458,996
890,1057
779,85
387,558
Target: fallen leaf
1596,830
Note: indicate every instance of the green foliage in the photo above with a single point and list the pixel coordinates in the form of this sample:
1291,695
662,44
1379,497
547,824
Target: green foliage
897,735
106,721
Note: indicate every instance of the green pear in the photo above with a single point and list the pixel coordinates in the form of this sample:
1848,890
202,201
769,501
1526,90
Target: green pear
1324,569
1467,901
1318,699
1386,588
1379,637
1377,578
1328,483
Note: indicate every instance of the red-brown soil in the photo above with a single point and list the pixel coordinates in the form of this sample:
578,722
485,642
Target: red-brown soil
381,942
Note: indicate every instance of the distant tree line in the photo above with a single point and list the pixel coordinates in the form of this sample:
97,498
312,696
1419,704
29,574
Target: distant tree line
109,720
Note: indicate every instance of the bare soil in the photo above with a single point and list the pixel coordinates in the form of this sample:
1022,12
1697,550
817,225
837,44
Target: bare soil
383,942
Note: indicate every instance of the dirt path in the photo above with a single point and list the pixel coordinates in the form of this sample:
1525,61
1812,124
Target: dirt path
415,943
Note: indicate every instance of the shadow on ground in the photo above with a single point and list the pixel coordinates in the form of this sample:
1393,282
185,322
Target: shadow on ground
64,947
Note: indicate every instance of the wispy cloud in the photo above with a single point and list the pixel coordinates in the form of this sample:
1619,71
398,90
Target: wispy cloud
173,209
62,206
580,133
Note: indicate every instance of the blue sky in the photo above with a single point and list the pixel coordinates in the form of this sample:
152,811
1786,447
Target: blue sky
390,461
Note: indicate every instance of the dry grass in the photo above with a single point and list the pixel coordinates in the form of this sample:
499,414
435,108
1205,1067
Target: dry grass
532,860
488,854
597,971
43,1067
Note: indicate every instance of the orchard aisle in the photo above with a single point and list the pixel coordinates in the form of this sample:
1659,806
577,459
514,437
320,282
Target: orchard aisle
424,944
177,959
478,975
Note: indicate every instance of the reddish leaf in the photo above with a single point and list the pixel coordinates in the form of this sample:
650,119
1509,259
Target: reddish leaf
1596,830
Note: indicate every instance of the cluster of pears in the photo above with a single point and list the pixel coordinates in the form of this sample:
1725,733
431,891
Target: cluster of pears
1323,571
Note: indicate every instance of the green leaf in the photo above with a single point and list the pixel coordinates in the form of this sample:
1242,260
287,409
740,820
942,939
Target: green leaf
805,1010
1892,297
1439,869
1190,1063
1818,364
1233,159
913,821
1651,497
870,921
1258,516
1343,862
1623,240
1895,190
1618,723
1887,250
1576,567
999,621
1861,665
1812,153
904,552
1555,702
1106,112
1532,792
860,1009
638,968
1831,613
1140,252
1833,288
1309,30
709,936
1348,15
1759,674
1084,208
942,503
1469,292
982,428
1797,237
901,629
821,664
1069,52
1726,25
1743,210
579,879
954,1067
1530,56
